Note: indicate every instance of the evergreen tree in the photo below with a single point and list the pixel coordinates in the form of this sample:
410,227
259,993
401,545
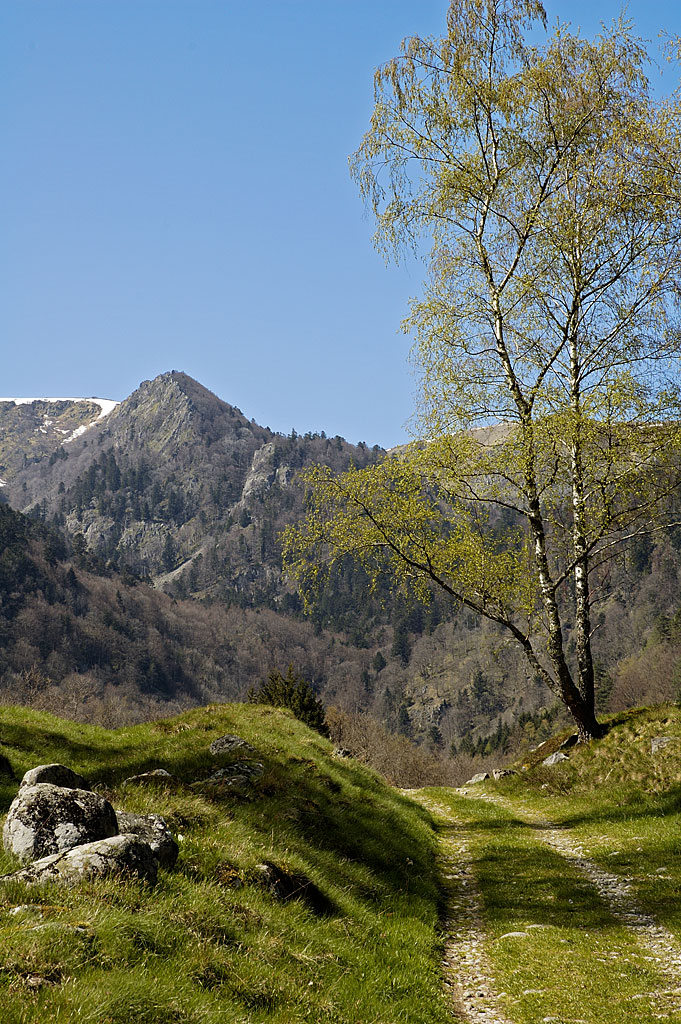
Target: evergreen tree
295,693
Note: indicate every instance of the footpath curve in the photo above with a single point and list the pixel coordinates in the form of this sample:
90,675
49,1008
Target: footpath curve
467,972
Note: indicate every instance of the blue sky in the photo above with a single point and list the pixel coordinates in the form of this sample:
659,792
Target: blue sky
174,194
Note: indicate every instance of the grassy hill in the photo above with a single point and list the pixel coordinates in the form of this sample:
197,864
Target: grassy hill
210,943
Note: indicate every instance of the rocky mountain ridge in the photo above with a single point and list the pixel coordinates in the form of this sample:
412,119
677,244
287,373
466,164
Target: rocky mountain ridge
178,486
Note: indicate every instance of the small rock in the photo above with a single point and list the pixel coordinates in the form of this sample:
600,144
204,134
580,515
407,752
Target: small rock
502,773
514,935
36,982
226,744
54,775
659,742
242,773
153,830
342,752
117,855
555,758
62,927
27,909
158,776
480,777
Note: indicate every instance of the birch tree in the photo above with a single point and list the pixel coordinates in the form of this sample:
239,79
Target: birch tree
544,180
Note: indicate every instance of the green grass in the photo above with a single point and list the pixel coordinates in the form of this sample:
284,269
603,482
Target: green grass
208,943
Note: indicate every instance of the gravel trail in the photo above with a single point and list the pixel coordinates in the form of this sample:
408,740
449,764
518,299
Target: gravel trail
467,973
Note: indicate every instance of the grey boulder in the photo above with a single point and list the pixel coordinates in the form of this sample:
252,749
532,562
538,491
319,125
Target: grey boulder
240,775
153,830
55,775
117,855
480,777
155,777
46,819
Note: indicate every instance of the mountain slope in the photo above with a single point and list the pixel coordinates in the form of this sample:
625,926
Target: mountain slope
32,429
179,488
96,646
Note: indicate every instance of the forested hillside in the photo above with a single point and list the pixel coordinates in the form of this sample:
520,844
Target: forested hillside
149,571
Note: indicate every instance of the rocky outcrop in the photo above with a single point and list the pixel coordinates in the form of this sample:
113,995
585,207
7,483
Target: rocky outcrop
46,819
153,830
66,833
555,759
263,473
118,855
227,744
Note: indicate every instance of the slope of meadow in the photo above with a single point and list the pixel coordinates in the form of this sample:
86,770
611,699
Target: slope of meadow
210,943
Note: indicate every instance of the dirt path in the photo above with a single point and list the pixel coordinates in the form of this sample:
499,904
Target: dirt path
467,973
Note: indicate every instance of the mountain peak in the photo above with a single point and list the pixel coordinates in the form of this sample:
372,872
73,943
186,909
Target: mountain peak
173,409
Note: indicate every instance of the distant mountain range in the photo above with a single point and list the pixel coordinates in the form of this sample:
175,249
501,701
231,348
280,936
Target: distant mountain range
176,488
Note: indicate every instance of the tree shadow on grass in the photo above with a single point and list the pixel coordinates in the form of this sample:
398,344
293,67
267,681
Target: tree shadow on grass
524,882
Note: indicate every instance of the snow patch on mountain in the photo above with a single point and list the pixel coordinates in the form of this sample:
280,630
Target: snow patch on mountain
106,406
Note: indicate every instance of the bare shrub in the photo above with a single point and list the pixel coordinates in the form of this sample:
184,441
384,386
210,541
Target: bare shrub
399,760
646,678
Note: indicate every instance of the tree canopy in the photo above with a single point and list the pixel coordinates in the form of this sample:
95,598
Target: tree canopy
547,180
